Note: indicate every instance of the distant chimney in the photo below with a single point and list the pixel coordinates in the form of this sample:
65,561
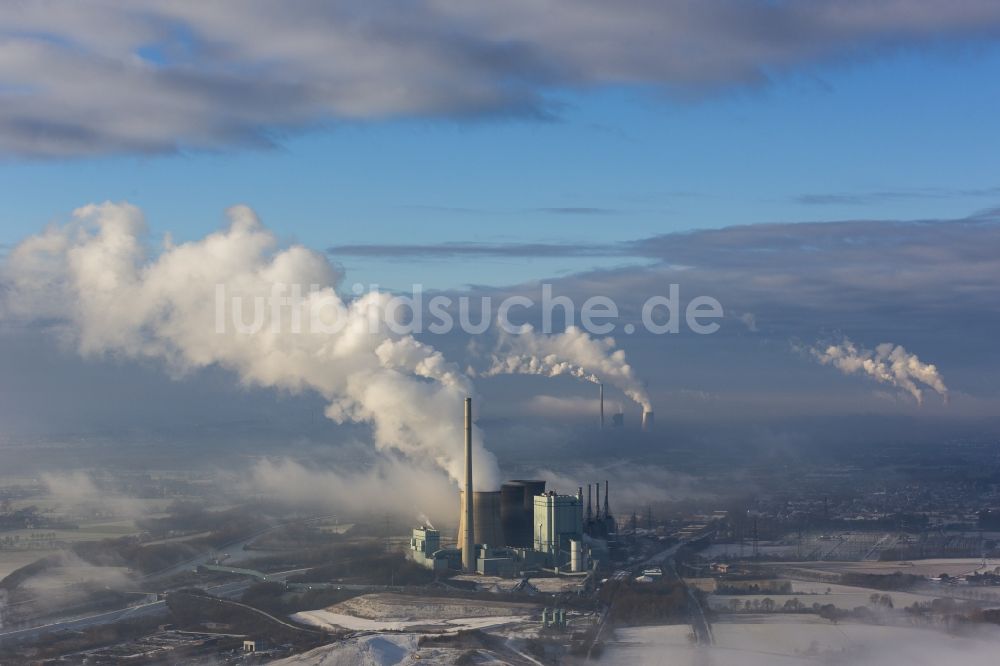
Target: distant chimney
602,406
647,421
607,510
598,484
590,511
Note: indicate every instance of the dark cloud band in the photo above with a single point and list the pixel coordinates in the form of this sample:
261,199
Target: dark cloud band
162,76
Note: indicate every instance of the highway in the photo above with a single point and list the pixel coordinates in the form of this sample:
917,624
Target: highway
699,622
157,607
225,590
78,623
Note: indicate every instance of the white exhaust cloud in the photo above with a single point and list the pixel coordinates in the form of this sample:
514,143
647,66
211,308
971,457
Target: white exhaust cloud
77,491
389,486
97,277
573,353
887,363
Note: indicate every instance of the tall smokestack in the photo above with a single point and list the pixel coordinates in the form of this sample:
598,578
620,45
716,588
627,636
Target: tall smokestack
602,405
598,500
607,509
590,509
647,421
468,543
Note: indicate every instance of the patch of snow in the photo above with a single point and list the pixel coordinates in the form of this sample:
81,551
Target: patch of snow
326,619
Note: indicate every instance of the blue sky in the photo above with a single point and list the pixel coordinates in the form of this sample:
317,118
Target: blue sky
910,135
610,148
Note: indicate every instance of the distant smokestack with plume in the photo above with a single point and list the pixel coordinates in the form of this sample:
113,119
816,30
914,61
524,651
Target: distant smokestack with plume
887,363
573,353
93,275
647,421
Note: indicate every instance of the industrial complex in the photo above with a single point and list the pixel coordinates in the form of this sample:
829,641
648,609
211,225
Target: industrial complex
523,527
537,570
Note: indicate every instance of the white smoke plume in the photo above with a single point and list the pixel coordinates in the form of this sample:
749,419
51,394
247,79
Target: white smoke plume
424,519
115,297
887,363
77,492
389,486
573,353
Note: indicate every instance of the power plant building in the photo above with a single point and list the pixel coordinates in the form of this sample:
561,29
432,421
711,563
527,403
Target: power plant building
520,527
558,519
425,540
577,556
425,549
501,562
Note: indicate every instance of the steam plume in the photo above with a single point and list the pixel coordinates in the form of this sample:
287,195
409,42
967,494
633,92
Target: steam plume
95,276
390,486
887,363
572,353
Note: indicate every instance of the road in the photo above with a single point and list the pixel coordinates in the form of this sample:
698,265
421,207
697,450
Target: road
151,608
699,621
79,623
226,591
235,549
206,557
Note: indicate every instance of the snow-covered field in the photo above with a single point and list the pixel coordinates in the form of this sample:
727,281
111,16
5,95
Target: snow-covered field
724,550
365,651
778,640
329,620
810,592
395,650
933,567
399,612
404,619
388,606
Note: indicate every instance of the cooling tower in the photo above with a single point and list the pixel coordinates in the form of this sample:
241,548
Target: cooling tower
487,527
514,519
531,489
647,421
516,508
